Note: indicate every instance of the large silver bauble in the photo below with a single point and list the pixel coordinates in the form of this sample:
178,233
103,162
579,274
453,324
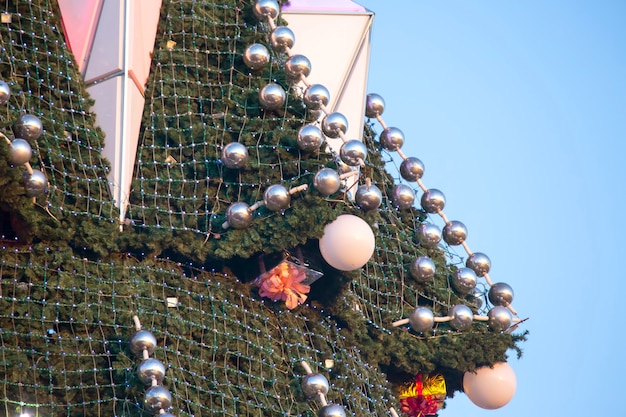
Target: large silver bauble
332,410
256,56
500,318
282,39
423,269
428,235
238,215
5,92
479,263
422,319
334,124
433,201
327,181
353,152
374,105
28,127
316,96
461,317
272,96
454,233
157,398
391,139
141,340
314,384
235,155
411,169
36,183
266,8
150,369
501,294
368,197
464,280
310,138
403,197
276,197
20,152
476,297
297,66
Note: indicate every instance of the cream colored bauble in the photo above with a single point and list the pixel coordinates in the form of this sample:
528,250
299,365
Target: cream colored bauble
348,243
490,388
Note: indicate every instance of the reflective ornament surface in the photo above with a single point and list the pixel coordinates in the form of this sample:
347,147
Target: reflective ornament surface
374,105
310,138
334,124
5,92
403,197
461,317
327,181
368,197
238,215
464,280
314,384
156,398
500,318
20,152
141,340
433,201
428,235
266,8
36,183
476,297
282,38
332,410
411,169
353,152
297,66
423,269
276,197
490,388
347,243
28,127
272,96
235,155
391,139
316,96
479,263
149,369
256,56
501,294
454,233
422,319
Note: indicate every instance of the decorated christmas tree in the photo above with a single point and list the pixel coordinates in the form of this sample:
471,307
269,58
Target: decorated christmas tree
250,268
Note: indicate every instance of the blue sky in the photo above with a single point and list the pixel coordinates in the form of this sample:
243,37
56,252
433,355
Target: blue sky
518,111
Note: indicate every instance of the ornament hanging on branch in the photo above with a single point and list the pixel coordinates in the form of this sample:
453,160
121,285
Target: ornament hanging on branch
424,396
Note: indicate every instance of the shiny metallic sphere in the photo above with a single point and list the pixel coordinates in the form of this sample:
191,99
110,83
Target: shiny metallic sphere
500,318
327,181
5,92
332,410
150,369
353,152
157,398
433,201
316,96
36,183
238,215
461,317
368,197
428,235
374,105
28,127
403,197
411,169
501,294
296,66
272,96
282,39
454,233
391,139
310,138
464,280
476,297
314,384
422,319
141,340
423,269
266,8
276,198
235,155
20,152
256,56
334,124
479,263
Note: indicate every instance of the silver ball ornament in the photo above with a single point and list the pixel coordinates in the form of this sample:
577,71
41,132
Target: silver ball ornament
500,294
28,127
150,369
316,96
499,318
334,124
464,280
331,410
310,138
272,96
411,169
157,398
479,263
235,155
476,297
368,197
403,197
5,92
314,384
433,201
422,319
461,317
353,152
297,66
266,8
423,269
454,233
20,152
36,183
141,340
327,181
391,139
276,197
282,38
428,235
256,56
238,215
374,105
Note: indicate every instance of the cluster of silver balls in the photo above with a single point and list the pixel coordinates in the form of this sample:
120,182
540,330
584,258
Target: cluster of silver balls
315,386
28,128
150,371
